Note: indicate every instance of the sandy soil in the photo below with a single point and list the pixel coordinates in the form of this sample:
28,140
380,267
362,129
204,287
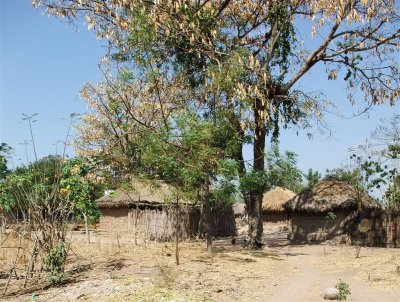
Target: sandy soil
112,269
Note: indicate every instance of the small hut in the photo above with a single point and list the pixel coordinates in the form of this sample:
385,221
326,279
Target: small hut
310,208
239,209
151,211
272,205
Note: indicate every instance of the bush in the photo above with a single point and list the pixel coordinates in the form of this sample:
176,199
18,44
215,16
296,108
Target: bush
54,264
344,290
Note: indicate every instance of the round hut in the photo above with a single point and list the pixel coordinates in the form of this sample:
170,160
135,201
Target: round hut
272,205
312,221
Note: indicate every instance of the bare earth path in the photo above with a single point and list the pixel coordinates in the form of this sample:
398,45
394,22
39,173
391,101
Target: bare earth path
311,280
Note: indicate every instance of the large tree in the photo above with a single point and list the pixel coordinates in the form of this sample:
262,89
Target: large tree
249,57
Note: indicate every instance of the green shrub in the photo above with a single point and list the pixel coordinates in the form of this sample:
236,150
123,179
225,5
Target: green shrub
54,264
344,290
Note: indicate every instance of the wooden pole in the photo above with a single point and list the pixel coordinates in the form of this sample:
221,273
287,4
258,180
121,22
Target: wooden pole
31,263
86,229
177,224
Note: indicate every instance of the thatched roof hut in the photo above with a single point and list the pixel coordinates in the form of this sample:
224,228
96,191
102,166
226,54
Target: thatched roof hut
330,195
149,209
308,211
275,198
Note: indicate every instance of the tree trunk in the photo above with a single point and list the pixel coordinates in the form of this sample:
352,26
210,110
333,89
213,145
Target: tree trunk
253,207
254,199
201,220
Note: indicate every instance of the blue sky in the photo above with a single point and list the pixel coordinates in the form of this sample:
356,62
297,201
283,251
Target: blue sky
45,61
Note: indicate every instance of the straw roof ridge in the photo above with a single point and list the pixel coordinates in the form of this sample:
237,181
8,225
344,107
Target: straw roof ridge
140,193
330,195
274,199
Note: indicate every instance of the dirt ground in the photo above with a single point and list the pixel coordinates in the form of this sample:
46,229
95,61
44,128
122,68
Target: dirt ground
113,269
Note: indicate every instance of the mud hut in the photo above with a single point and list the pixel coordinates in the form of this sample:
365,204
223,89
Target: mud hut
309,210
239,209
272,205
151,211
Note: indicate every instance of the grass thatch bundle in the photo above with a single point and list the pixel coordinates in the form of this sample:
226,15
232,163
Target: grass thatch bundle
274,199
330,195
140,192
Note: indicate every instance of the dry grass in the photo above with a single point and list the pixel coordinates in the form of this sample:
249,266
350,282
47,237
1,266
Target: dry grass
376,266
114,269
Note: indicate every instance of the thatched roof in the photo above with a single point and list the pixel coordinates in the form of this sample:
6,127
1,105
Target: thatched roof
139,193
275,198
239,208
330,195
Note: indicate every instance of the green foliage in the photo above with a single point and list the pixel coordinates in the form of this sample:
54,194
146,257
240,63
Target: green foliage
79,189
37,180
254,181
54,262
351,177
192,151
223,194
377,162
282,170
4,152
280,14
344,290
41,178
330,216
312,177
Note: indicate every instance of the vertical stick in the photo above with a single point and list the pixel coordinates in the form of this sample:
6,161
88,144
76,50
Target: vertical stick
389,234
3,226
119,246
31,263
86,229
177,231
12,269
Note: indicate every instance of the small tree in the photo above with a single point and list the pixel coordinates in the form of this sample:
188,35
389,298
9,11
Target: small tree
312,177
282,171
344,290
197,163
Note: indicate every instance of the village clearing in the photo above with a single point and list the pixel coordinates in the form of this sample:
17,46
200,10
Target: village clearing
117,270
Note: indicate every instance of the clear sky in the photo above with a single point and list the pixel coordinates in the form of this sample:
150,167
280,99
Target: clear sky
44,63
